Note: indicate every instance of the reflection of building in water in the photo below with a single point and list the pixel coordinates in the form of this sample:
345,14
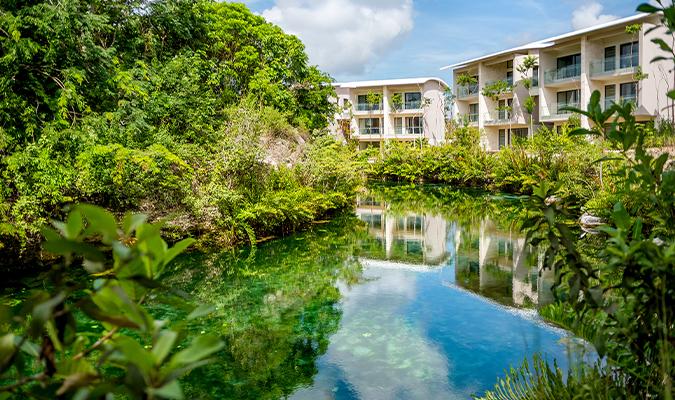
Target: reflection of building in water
407,236
499,264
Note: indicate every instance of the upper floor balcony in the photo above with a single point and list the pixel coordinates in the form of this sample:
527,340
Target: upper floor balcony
499,117
563,75
369,107
610,67
557,111
467,91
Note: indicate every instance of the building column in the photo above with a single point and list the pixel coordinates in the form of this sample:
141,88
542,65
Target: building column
584,81
386,107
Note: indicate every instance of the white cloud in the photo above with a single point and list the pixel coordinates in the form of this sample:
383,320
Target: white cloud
344,36
590,14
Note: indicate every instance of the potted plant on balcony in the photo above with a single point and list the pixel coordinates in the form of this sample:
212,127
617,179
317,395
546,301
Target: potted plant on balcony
465,80
396,101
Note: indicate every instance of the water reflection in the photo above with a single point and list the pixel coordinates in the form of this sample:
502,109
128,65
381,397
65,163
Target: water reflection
414,299
434,317
491,258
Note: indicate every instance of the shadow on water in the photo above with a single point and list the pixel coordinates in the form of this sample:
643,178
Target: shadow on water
427,293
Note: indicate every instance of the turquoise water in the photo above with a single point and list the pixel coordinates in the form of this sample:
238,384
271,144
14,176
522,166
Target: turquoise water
426,293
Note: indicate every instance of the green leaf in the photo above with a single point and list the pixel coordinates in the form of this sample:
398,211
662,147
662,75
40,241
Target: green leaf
100,221
621,217
201,347
171,390
201,311
647,8
163,346
134,353
132,221
177,249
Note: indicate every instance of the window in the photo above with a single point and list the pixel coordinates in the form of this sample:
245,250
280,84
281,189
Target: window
398,126
369,126
413,101
520,133
504,109
610,95
568,98
473,112
363,104
569,66
509,77
502,138
610,59
628,92
535,77
509,64
413,125
629,55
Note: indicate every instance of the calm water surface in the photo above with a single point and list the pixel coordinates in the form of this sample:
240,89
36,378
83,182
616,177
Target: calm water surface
427,294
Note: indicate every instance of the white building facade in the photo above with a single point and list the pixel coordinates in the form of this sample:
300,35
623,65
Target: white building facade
374,112
609,58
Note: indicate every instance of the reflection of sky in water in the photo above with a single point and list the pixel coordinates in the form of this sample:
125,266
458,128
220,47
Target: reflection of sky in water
407,334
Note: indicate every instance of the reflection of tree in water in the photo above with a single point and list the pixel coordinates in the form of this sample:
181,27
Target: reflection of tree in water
276,310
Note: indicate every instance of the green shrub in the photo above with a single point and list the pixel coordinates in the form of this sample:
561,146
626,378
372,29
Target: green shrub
120,177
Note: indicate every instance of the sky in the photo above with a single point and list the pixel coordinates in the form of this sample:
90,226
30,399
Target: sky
386,39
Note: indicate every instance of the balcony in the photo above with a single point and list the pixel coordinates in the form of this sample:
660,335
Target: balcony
505,86
368,107
370,131
499,117
611,67
409,130
467,91
412,105
571,73
557,112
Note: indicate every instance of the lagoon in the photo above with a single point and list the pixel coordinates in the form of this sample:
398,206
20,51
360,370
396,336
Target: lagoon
423,292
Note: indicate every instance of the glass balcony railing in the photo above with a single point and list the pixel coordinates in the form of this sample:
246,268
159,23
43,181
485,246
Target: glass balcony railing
568,73
369,131
467,90
413,130
535,81
509,84
498,117
558,111
412,105
614,66
472,118
368,107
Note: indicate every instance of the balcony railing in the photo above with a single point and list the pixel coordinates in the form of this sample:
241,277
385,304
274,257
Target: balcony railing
467,90
409,130
369,131
498,117
508,84
569,73
368,107
412,105
614,66
609,102
557,111
624,99
535,81
472,118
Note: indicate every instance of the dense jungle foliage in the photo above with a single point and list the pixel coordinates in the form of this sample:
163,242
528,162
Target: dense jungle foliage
195,111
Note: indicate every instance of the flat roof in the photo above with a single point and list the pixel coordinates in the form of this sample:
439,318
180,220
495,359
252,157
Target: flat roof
540,44
389,82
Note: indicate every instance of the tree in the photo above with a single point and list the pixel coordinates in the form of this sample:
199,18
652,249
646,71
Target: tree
526,68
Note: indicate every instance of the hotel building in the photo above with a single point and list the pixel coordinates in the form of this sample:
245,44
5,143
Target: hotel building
373,112
569,67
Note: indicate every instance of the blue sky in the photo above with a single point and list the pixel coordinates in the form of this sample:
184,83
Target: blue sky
382,39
